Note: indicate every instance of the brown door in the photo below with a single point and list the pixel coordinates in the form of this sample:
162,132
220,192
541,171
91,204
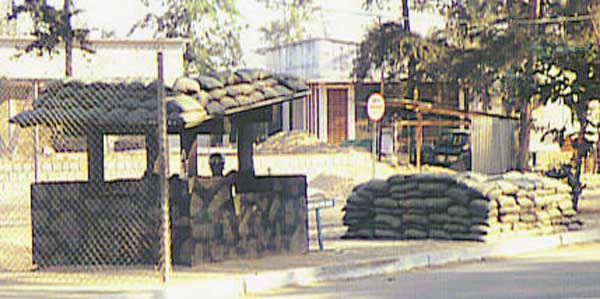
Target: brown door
337,115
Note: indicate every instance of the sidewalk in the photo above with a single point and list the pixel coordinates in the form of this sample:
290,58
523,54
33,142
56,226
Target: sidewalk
342,259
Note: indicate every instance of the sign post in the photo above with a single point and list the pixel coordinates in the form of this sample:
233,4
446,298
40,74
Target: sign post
375,112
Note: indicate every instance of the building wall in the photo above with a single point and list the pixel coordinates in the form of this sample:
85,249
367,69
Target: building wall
313,59
113,58
323,63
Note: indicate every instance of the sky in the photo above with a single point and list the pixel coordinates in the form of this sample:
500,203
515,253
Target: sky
338,19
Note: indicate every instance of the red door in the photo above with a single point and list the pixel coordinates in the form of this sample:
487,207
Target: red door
337,115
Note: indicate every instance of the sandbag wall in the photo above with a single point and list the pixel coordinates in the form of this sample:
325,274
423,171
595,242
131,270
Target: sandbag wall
458,207
209,226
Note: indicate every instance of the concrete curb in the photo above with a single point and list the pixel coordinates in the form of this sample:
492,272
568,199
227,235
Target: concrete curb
264,281
261,282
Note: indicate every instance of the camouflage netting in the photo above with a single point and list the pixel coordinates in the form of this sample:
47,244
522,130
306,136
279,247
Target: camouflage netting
464,206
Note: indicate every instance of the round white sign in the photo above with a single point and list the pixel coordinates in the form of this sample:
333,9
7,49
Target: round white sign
375,107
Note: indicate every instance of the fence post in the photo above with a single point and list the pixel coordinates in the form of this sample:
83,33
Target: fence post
165,248
36,90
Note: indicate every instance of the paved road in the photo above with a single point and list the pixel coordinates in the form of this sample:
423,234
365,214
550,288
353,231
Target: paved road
570,272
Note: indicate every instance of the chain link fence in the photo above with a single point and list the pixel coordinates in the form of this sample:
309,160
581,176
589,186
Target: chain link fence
80,175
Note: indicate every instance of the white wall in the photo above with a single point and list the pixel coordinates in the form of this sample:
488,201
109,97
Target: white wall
112,59
314,59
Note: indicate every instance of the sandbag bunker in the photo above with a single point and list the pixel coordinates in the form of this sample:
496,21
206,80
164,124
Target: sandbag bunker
464,206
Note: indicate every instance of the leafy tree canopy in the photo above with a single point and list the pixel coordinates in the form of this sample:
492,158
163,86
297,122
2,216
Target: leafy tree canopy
51,27
291,27
210,25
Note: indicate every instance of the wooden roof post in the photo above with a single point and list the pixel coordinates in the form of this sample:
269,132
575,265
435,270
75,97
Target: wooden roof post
189,150
419,132
95,157
245,140
151,150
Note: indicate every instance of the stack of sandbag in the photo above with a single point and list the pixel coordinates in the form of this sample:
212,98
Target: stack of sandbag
359,211
589,200
458,207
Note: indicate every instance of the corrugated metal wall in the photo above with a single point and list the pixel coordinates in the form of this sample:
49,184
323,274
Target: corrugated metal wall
493,144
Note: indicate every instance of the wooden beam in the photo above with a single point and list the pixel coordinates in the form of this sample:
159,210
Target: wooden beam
151,150
419,138
245,140
428,108
95,157
433,123
189,152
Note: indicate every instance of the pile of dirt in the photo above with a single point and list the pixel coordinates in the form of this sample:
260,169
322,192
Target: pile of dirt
333,186
295,142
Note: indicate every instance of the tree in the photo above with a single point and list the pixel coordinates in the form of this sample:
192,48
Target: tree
210,26
51,28
400,52
571,73
291,27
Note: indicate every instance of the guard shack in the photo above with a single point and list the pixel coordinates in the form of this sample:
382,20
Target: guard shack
99,222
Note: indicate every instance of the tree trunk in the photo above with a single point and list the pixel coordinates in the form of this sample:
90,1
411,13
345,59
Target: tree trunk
405,15
524,137
581,153
68,41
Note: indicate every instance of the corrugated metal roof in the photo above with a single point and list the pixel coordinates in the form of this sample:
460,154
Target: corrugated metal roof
190,102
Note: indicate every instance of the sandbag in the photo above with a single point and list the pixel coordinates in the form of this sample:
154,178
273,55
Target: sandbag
403,188
387,234
524,202
388,220
437,203
387,211
364,233
506,201
462,194
216,94
209,83
438,234
366,195
483,221
397,179
438,218
385,202
479,229
377,186
466,237
456,228
479,207
509,218
459,221
493,194
542,216
555,214
527,217
414,234
432,188
458,211
358,200
507,187
412,204
414,219
509,210
186,85
183,103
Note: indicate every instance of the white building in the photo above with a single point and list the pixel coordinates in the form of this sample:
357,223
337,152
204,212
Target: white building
112,59
326,64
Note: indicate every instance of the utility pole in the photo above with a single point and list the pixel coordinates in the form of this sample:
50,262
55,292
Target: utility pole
405,15
382,91
68,40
